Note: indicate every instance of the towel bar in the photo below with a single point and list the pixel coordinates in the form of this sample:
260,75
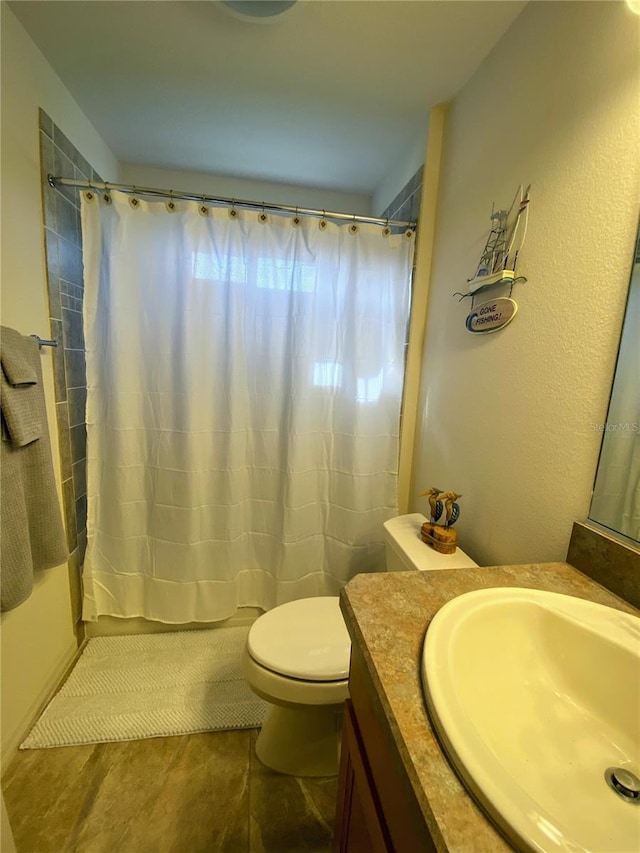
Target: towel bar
43,343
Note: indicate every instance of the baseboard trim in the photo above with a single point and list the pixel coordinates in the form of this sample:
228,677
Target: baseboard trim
49,690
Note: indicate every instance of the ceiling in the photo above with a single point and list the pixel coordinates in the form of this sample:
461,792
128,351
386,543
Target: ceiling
329,94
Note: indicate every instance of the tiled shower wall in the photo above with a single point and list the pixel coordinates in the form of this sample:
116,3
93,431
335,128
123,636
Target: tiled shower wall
406,205
63,248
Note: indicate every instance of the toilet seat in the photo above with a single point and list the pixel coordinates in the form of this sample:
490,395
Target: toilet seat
293,692
306,640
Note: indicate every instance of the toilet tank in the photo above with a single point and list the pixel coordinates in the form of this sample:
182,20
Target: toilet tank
406,551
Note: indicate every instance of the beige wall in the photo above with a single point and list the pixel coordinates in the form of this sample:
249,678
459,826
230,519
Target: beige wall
243,188
506,418
432,158
37,638
402,169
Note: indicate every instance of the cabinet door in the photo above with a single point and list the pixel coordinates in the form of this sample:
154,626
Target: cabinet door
360,824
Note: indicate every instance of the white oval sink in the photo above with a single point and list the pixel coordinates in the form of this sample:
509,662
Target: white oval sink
534,696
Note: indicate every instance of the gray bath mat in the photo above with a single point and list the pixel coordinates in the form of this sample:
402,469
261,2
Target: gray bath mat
151,685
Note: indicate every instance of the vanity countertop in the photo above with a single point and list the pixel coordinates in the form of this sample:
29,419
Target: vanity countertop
387,616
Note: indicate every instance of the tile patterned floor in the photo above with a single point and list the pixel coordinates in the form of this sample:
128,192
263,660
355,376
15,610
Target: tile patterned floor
204,792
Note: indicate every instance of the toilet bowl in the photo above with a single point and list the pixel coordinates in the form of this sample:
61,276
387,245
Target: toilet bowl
297,659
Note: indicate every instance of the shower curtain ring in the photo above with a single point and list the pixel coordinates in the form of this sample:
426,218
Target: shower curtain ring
89,194
263,215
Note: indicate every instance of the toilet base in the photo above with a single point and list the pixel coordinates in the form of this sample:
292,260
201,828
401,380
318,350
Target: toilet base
303,741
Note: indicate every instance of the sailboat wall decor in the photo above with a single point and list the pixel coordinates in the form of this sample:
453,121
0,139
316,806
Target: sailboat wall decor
498,266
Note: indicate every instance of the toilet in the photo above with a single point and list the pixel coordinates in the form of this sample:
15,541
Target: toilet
297,659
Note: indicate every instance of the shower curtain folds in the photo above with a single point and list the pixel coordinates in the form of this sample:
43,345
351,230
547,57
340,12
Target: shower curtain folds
244,385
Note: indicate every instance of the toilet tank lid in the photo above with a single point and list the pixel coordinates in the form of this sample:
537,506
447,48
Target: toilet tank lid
305,639
403,535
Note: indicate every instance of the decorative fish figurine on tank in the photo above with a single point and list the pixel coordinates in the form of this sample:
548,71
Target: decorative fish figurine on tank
439,501
451,508
434,503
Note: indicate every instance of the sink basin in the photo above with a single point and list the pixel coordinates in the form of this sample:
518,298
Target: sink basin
535,696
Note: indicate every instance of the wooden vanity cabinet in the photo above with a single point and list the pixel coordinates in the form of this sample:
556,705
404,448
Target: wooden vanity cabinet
377,810
360,822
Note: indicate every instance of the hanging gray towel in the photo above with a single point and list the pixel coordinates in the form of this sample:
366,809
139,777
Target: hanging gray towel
32,531
19,389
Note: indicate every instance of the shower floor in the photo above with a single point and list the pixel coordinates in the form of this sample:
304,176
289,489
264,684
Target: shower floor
199,792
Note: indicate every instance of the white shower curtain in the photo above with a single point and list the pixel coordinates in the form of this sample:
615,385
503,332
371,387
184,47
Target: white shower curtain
244,386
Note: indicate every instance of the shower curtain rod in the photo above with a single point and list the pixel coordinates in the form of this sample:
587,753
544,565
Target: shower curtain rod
256,205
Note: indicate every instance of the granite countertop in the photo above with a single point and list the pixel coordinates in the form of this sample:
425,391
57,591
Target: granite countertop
387,616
